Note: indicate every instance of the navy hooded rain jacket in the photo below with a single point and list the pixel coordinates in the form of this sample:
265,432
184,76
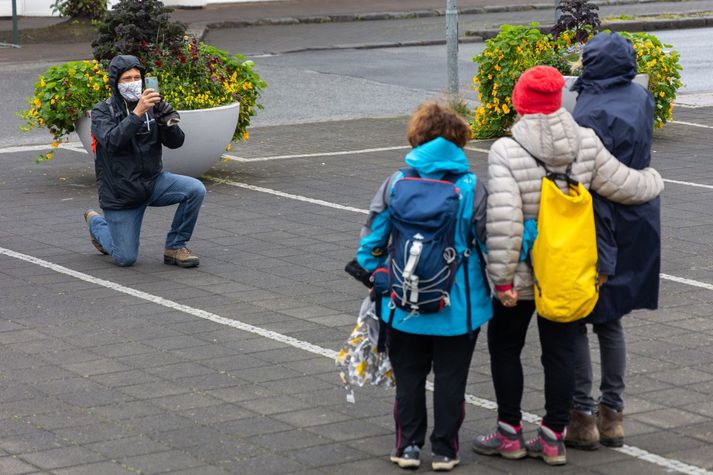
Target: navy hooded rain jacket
622,115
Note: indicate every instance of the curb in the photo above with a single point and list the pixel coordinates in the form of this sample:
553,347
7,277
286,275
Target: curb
404,15
633,25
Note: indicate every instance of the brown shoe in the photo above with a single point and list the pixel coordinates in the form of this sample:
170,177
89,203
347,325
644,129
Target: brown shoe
609,423
89,214
582,432
181,257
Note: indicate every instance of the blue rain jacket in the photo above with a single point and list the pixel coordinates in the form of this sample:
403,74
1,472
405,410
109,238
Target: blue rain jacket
622,115
434,160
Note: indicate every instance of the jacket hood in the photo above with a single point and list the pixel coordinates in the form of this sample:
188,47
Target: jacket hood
551,138
118,66
436,158
609,60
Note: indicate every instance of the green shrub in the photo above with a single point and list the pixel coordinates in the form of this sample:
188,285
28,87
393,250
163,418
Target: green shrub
92,9
135,27
505,58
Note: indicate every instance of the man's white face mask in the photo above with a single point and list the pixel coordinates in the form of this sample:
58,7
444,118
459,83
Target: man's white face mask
131,91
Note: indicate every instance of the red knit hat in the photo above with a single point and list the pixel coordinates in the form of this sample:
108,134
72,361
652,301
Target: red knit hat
538,91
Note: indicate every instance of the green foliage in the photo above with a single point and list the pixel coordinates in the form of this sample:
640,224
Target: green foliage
63,93
505,58
662,65
518,48
91,9
194,76
135,27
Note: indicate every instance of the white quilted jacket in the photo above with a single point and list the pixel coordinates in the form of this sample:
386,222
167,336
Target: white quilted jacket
515,178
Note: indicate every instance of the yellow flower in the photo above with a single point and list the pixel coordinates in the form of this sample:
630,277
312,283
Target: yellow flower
230,146
55,144
37,102
506,109
246,135
662,94
42,82
49,156
52,101
497,67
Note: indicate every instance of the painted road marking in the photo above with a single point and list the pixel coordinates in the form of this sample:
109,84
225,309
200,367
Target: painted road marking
285,195
320,154
691,124
328,204
79,148
670,464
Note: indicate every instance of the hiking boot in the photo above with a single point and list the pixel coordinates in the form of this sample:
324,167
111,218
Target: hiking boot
505,440
409,457
441,463
181,257
609,423
549,446
582,432
89,214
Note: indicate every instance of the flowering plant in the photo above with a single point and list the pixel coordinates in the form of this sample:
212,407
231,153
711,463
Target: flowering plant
62,94
194,76
517,48
514,50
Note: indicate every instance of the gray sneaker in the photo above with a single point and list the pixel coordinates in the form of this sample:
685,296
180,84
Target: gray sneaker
506,441
549,446
441,463
408,457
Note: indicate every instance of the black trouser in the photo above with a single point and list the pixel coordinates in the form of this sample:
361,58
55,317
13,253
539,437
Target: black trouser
411,358
506,337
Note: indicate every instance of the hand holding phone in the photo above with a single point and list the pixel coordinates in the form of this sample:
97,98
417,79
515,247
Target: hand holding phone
151,82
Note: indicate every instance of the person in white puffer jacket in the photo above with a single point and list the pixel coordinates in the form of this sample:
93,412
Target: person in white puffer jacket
548,133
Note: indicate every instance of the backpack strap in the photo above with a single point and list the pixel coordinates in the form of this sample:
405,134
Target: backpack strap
565,176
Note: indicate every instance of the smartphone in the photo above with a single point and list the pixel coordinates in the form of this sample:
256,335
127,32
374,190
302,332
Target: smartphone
151,83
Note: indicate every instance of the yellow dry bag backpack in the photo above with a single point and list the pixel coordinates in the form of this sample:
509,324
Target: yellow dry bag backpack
564,256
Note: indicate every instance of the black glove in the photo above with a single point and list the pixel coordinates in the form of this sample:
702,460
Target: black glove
359,273
165,114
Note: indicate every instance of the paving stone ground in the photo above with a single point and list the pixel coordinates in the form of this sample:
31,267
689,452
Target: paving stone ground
96,381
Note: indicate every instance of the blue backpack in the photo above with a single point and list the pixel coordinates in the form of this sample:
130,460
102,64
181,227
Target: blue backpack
422,254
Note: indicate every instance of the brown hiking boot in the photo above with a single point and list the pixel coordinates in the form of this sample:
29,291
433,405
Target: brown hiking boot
181,257
582,432
609,423
89,214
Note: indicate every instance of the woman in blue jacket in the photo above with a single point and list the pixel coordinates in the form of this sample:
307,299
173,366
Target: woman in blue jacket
443,340
629,237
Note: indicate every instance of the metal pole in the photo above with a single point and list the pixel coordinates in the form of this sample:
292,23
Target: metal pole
558,13
452,48
15,36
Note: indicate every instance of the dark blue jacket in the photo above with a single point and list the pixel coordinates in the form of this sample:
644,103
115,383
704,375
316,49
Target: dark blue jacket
128,154
622,115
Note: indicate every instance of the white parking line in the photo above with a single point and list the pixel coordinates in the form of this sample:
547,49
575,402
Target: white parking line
328,204
670,464
688,183
691,124
73,146
310,155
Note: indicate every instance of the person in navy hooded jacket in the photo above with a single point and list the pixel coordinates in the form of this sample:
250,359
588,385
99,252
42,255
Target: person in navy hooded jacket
443,340
629,237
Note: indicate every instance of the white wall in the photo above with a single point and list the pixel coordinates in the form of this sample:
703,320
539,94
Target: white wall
43,7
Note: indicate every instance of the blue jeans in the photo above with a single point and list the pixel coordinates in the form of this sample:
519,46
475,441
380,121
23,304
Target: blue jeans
118,230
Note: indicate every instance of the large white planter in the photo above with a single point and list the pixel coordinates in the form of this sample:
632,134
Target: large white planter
208,132
569,98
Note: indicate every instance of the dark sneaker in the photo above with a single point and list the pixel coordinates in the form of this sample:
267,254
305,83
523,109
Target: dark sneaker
549,446
409,457
505,440
582,432
441,463
180,257
89,214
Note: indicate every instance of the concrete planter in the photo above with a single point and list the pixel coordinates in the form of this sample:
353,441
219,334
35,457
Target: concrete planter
208,132
569,98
